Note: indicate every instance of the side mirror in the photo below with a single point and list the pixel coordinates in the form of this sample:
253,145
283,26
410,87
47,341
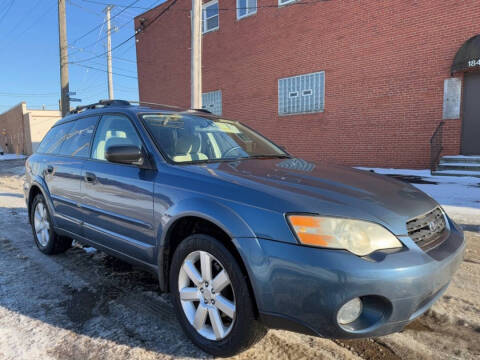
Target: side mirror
125,154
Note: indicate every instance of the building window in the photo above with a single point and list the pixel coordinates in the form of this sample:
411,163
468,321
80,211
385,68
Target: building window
246,8
301,94
210,16
212,101
285,2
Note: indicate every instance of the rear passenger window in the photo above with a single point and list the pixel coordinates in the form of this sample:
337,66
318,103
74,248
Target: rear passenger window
77,140
52,142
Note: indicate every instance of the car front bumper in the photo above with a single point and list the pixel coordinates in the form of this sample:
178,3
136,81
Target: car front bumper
302,288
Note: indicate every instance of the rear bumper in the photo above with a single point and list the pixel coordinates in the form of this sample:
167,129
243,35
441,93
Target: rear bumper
301,289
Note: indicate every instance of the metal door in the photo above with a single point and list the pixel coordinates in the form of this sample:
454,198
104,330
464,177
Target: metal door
471,115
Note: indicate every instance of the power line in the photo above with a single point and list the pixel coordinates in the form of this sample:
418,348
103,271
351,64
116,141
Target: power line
131,37
118,28
27,94
106,4
85,8
104,22
93,53
24,17
105,71
48,9
100,39
154,19
8,7
270,6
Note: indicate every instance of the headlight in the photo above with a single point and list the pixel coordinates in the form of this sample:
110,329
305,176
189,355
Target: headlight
356,236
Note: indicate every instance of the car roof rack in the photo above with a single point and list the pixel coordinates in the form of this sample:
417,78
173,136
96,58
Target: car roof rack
202,110
100,104
165,106
104,103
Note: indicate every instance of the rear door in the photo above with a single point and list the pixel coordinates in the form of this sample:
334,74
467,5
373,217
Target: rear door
118,198
65,147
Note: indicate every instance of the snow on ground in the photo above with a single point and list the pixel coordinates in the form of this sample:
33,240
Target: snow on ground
458,195
11,157
86,305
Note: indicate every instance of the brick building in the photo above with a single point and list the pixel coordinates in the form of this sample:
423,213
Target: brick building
354,82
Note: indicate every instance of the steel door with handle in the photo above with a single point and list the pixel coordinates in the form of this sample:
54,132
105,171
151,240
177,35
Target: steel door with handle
471,115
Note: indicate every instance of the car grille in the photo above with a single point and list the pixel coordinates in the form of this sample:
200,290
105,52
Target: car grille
427,230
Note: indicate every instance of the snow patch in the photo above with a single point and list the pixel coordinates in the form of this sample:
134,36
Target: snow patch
11,157
457,194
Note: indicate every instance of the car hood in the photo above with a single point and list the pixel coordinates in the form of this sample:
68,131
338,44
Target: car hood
296,185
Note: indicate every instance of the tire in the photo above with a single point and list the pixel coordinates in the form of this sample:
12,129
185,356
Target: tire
243,329
46,240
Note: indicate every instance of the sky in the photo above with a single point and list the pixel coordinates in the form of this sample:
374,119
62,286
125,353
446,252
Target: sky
29,53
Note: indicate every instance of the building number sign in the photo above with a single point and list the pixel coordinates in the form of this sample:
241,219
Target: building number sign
474,62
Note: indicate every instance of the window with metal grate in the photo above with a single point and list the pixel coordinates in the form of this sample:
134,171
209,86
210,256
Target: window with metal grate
301,94
212,101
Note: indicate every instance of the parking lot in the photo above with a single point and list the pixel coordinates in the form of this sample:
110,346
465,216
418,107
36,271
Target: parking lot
86,305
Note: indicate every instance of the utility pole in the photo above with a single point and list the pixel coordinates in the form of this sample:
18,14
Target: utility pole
196,53
109,53
62,43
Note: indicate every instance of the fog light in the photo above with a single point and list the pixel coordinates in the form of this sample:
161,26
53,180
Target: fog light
350,311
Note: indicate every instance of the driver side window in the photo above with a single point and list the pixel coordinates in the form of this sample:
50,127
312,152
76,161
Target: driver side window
113,130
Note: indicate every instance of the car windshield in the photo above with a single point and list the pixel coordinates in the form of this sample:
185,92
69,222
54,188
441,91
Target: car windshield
190,138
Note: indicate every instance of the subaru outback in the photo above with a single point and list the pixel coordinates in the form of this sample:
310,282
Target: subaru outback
243,235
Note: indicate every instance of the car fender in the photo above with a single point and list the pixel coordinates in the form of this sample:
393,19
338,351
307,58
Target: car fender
210,210
213,211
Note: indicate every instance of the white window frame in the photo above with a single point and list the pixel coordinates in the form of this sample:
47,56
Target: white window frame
204,17
239,17
285,2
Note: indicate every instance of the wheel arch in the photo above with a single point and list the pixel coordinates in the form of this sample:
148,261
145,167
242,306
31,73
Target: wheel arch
38,187
192,222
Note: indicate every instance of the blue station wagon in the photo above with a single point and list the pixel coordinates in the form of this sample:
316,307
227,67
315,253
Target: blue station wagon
243,235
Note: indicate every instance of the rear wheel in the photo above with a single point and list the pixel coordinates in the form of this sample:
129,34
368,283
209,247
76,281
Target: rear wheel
211,296
43,233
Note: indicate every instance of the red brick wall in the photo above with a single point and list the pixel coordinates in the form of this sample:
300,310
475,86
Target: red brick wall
384,62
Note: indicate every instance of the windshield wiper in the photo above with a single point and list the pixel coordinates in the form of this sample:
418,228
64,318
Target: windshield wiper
209,161
285,156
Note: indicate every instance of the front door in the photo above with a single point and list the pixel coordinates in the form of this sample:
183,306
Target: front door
471,115
118,198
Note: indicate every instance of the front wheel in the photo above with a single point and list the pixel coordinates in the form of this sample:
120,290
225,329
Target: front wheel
44,235
211,297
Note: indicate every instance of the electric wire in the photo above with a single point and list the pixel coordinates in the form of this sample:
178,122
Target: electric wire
6,9
104,22
131,37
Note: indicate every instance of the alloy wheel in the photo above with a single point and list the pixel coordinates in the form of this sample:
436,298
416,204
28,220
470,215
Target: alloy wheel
41,224
207,296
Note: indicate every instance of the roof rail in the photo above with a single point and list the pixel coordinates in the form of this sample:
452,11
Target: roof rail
202,110
165,106
168,106
100,104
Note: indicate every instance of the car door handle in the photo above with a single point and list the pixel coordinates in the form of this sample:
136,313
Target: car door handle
90,177
50,169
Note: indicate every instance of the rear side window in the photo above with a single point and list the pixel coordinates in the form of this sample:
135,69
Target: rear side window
52,142
78,139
